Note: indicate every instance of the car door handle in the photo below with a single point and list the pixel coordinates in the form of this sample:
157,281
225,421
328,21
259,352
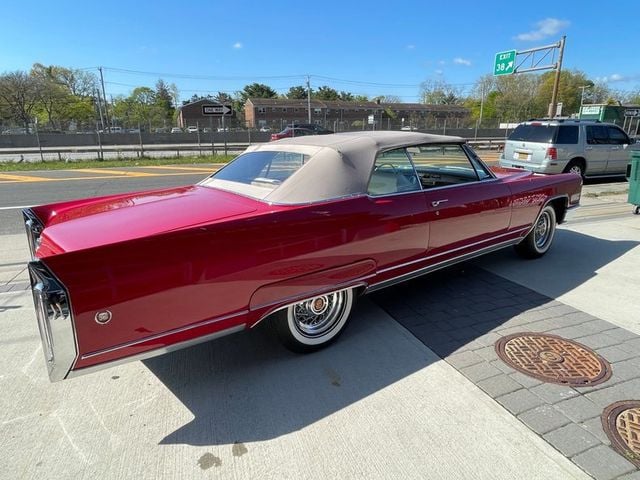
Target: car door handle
435,203
615,148
588,148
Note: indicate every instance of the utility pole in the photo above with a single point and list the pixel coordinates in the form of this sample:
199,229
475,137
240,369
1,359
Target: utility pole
556,82
100,108
309,98
104,95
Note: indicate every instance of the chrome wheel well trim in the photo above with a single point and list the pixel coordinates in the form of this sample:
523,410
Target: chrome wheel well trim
545,205
355,286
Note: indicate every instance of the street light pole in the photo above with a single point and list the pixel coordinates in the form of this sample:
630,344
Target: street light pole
582,93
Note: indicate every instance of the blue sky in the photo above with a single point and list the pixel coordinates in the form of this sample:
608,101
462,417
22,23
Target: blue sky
372,48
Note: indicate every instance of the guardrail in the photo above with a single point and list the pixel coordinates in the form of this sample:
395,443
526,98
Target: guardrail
101,152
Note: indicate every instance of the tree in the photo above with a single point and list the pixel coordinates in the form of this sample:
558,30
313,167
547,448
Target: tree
346,97
298,92
439,92
20,94
569,91
389,99
163,101
255,90
326,93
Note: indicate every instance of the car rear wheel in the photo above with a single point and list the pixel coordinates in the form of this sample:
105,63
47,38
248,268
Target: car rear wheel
575,166
539,239
314,323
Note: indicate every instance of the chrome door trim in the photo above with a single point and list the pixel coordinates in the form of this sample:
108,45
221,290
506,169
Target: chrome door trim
162,334
429,257
440,265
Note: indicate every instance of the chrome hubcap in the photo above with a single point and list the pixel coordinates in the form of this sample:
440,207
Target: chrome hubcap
319,315
575,169
542,230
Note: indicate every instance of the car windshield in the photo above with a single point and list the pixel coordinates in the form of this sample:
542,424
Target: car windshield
257,173
534,133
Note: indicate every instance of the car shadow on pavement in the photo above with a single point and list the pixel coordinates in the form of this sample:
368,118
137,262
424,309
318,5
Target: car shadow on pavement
246,387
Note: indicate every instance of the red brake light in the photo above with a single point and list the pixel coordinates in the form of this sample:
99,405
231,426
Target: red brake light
552,153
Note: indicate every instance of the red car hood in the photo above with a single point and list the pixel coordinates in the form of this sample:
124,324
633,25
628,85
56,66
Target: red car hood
89,223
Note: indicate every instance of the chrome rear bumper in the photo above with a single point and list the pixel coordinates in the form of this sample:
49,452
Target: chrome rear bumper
55,321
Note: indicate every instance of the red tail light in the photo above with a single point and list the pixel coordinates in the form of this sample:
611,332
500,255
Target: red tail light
552,153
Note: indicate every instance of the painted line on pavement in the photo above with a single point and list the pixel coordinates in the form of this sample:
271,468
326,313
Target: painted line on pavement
104,177
22,178
126,173
197,169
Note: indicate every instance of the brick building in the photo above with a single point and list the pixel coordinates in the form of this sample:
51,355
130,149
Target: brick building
339,115
190,114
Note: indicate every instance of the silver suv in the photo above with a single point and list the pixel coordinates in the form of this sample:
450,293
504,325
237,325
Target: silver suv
585,147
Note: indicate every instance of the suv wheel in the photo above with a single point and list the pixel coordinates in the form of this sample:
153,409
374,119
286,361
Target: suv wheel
575,166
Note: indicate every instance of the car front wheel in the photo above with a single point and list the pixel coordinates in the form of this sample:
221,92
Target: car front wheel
314,323
539,239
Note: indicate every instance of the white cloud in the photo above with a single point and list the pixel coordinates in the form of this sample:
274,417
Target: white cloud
439,72
462,61
411,47
441,62
544,28
616,77
237,45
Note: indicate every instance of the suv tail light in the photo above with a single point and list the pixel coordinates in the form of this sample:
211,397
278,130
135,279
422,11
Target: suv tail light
552,153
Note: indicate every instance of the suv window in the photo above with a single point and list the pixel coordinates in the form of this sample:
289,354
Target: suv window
567,134
393,172
617,136
534,132
597,135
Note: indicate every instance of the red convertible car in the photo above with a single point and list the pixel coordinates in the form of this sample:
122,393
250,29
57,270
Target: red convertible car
288,233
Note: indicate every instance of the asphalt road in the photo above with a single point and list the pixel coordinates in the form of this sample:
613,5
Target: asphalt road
73,184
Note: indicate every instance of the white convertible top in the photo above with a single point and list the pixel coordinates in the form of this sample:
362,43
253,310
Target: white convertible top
340,164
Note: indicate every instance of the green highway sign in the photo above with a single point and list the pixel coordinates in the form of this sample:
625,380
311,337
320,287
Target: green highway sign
505,63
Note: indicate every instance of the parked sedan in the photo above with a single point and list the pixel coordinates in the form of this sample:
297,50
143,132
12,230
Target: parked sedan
291,132
289,233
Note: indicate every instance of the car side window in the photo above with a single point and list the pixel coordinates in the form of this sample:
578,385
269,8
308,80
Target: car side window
567,135
617,136
393,172
443,165
597,135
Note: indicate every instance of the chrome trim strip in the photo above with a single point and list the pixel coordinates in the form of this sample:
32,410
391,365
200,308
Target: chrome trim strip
429,257
533,225
321,291
156,352
438,266
162,334
314,294
55,321
34,228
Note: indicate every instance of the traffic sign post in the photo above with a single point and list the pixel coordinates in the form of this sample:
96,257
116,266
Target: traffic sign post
217,110
505,63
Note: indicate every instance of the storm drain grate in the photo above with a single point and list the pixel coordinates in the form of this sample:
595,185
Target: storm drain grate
553,359
621,422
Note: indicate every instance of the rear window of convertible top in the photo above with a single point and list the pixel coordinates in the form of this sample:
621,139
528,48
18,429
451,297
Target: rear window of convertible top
262,169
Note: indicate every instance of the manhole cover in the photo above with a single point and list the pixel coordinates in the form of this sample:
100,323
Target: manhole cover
553,359
621,422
